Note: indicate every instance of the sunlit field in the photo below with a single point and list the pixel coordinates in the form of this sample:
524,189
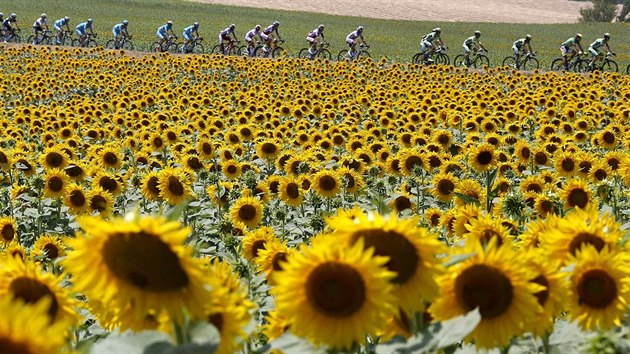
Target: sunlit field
162,204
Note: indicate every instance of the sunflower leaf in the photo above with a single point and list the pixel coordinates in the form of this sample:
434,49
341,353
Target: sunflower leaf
177,211
458,258
130,343
467,199
289,343
456,329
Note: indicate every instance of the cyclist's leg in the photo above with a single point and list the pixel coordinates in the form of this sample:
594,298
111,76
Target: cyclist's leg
565,62
466,55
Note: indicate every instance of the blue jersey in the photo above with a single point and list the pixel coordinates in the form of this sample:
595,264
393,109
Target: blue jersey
164,29
61,22
118,28
82,27
189,30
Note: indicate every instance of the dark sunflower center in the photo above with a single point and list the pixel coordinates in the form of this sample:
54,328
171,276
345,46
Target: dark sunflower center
52,252
8,232
608,137
153,185
110,158
488,234
540,158
77,198
3,158
157,142
335,289
412,161
585,238
74,171
402,203
54,159
8,346
217,320
31,291
194,163
293,190
403,258
258,246
247,212
98,202
525,153
577,198
327,183
144,261
484,287
600,175
350,183
568,165
55,184
107,183
443,139
542,295
231,169
484,158
269,148
175,186
206,148
445,186
596,288
534,187
278,258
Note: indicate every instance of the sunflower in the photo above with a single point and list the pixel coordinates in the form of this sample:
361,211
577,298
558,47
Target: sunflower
49,246
552,298
205,149
536,230
109,157
5,160
432,216
470,188
576,194
76,200
230,319
411,251
565,164
268,149
24,280
290,191
333,294
100,201
532,184
482,157
256,241
76,171
109,182
53,158
410,160
463,216
546,205
247,210
174,185
23,165
139,260
8,231
485,228
272,257
579,228
17,330
401,203
151,186
599,291
444,185
495,281
326,183
56,183
600,171
523,151
276,324
231,169
352,180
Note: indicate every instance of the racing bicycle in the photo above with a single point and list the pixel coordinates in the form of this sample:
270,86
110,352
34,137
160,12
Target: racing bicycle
321,52
194,46
124,43
477,59
358,53
437,57
525,62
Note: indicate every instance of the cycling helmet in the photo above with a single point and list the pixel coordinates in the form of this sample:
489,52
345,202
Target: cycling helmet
477,34
13,15
321,27
67,18
90,20
360,29
578,36
43,16
528,36
125,22
196,24
169,23
607,35
232,26
276,23
1,14
257,27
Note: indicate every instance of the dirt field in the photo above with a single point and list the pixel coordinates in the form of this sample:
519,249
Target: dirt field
511,11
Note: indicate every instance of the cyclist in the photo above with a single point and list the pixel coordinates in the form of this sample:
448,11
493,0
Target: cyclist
163,32
190,33
250,38
593,48
120,32
570,46
431,42
270,34
472,43
82,28
522,45
353,38
59,28
313,38
38,26
224,35
9,29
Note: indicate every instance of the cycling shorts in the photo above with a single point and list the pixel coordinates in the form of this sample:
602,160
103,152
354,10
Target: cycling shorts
466,49
57,28
223,38
38,28
264,36
81,32
188,36
426,45
565,50
349,41
116,32
162,34
593,51
516,50
311,39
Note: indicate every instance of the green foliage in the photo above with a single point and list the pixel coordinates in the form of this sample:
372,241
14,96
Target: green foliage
625,10
397,40
602,11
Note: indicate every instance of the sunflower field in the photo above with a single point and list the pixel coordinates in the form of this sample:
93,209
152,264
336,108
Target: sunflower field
172,204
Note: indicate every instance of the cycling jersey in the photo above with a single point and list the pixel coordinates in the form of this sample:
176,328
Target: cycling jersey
226,32
315,33
189,30
519,43
162,30
117,29
82,27
7,23
569,42
598,43
470,41
59,23
40,22
431,36
251,34
269,29
353,35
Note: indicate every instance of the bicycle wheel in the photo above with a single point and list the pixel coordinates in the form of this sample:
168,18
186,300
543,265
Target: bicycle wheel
324,54
127,45
234,51
365,54
509,62
278,52
216,50
198,48
343,55
91,44
442,58
531,64
174,47
77,43
481,61
580,66
458,61
305,53
416,59
557,65
610,66
31,39
110,44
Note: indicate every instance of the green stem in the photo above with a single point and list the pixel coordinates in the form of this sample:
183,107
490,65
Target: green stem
488,190
179,333
546,347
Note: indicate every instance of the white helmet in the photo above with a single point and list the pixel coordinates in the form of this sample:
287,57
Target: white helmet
321,27
125,22
477,34
43,16
607,35
1,14
257,27
360,29
232,26
169,23
90,20
13,15
437,29
276,23
528,36
196,24
67,18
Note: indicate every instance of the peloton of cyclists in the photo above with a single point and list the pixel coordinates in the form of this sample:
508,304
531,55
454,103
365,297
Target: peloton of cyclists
270,34
38,27
58,26
522,45
353,38
430,42
82,28
9,28
120,32
163,33
250,38
227,35
594,48
191,33
571,46
472,43
314,37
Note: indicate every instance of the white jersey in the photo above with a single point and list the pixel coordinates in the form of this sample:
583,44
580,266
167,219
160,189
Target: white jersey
40,22
268,30
251,34
353,35
315,33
